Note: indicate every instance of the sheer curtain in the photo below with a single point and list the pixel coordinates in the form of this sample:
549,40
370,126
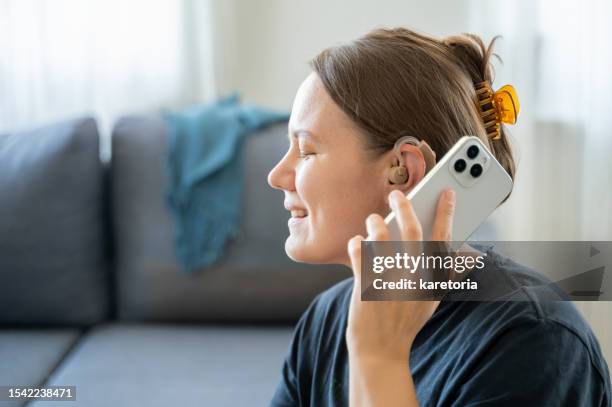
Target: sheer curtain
65,58
558,56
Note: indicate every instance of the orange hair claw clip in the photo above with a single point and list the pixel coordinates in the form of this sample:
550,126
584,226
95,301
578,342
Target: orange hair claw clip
497,107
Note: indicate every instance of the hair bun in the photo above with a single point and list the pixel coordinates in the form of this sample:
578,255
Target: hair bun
473,55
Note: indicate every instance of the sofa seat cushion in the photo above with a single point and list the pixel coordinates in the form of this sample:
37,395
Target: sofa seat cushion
174,365
28,356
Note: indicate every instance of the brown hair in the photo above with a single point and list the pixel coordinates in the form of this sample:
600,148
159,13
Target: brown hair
396,82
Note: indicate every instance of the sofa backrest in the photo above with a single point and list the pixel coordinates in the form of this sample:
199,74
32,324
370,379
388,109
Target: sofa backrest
53,265
254,282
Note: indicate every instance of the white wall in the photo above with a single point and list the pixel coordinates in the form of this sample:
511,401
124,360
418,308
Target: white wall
267,50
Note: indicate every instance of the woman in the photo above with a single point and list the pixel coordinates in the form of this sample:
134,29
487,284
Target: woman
347,115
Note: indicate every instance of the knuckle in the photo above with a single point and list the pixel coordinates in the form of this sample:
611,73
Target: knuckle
373,217
450,209
403,204
446,209
377,227
445,215
379,233
382,234
354,245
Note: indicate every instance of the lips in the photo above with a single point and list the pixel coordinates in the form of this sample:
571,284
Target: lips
298,214
295,221
296,211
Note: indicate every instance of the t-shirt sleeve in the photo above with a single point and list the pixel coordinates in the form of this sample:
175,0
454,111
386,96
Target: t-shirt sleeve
539,363
293,375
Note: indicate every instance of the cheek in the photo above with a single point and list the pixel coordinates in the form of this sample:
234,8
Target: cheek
338,199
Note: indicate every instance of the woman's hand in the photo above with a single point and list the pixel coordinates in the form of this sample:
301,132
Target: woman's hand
380,333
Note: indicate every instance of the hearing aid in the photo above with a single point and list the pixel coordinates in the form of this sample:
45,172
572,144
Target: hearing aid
399,173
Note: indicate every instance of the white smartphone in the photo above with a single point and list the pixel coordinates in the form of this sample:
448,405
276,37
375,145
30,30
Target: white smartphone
480,184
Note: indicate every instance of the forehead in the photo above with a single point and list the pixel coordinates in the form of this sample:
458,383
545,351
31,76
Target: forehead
315,111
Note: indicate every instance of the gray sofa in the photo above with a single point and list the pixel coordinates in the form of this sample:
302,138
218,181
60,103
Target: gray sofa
91,294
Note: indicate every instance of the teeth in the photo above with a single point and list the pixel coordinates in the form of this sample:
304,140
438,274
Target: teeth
298,213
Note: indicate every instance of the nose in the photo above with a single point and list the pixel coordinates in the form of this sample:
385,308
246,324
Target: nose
282,176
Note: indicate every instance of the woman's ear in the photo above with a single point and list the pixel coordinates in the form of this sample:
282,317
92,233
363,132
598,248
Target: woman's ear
414,162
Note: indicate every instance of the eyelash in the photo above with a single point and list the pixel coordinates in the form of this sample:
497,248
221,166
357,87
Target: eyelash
305,155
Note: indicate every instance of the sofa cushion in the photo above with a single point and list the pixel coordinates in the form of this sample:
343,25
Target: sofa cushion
52,264
171,365
30,355
255,280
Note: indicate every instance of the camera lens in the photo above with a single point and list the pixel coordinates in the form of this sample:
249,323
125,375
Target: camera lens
476,170
460,165
472,152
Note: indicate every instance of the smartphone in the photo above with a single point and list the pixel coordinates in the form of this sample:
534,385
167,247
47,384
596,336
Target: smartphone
480,184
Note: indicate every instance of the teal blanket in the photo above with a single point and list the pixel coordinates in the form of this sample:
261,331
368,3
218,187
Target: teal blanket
204,166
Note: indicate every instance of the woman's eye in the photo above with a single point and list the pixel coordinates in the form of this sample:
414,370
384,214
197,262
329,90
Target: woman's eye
305,155
304,150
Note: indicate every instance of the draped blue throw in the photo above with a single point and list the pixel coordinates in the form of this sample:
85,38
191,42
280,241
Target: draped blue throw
204,165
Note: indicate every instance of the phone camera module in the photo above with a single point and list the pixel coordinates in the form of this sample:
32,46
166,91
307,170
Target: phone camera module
460,165
472,152
476,170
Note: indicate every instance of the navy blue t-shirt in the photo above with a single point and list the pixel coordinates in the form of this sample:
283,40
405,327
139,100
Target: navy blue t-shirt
499,353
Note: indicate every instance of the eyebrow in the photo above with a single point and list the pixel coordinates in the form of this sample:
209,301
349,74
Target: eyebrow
302,133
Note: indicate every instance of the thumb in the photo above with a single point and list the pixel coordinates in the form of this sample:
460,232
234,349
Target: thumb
354,251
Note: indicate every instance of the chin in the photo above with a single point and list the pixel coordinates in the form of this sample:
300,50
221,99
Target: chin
302,252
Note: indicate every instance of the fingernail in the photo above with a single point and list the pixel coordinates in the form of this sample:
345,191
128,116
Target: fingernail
450,195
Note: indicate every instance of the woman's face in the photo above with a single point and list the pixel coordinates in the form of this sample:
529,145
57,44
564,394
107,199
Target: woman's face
329,182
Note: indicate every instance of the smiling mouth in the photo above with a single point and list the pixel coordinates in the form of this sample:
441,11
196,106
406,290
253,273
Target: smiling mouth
297,217
298,213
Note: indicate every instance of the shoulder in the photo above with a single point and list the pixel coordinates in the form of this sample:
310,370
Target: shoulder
544,362
533,323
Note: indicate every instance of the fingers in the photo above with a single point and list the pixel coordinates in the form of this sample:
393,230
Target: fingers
377,228
409,225
443,223
354,251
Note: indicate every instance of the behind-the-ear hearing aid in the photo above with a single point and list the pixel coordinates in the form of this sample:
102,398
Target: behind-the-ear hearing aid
399,173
